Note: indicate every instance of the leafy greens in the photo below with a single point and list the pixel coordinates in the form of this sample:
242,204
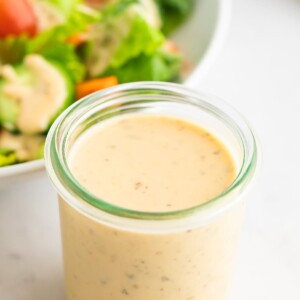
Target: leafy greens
174,12
158,66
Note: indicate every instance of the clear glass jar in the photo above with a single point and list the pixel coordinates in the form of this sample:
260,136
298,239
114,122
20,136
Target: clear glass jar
115,253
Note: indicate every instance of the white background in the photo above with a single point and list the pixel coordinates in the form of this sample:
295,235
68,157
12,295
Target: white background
258,71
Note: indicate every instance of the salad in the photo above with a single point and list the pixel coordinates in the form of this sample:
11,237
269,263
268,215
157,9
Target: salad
53,52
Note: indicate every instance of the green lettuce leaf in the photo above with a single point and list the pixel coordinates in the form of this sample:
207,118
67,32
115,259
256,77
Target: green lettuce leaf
141,39
81,18
7,157
120,37
64,54
116,8
159,66
12,49
65,6
174,12
78,22
52,43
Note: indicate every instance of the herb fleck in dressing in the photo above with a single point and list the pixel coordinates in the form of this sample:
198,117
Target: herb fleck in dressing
156,164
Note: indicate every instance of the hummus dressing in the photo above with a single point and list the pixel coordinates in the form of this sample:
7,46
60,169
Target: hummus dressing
151,164
157,164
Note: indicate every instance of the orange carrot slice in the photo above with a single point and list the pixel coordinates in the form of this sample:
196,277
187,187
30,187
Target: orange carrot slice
77,39
90,86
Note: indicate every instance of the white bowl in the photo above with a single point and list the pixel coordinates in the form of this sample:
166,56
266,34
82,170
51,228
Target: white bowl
200,39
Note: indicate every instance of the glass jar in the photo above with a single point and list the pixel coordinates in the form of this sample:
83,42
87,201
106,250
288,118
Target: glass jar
114,253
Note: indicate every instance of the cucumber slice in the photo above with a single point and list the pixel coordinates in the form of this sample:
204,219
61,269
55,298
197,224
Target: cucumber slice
8,112
33,94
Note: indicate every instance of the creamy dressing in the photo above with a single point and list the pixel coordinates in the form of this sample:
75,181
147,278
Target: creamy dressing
38,95
26,147
149,163
46,15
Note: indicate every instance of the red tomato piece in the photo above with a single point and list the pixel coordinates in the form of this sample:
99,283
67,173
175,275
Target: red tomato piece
17,17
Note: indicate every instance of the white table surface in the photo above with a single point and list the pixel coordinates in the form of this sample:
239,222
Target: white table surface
258,71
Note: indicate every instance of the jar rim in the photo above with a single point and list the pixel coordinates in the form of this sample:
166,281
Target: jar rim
68,187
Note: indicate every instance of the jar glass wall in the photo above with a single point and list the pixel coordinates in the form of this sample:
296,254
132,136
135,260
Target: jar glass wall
111,252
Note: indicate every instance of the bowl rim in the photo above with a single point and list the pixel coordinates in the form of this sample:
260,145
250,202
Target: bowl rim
209,57
215,45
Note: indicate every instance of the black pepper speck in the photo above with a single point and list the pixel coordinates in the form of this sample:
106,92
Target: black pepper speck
125,292
164,278
130,276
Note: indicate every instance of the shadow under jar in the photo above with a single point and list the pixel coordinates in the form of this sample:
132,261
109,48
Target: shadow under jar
114,252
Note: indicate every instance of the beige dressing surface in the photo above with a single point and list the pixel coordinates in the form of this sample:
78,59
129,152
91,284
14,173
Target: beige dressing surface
151,164
181,165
